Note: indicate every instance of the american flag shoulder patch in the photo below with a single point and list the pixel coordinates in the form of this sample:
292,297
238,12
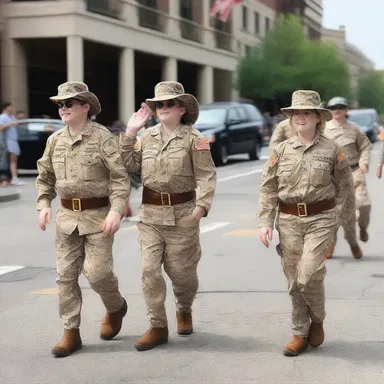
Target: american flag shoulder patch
202,143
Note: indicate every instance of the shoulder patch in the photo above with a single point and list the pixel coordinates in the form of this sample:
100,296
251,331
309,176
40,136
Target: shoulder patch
341,160
202,143
273,160
110,147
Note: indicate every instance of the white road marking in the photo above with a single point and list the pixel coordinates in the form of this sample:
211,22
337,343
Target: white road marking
9,268
240,175
212,226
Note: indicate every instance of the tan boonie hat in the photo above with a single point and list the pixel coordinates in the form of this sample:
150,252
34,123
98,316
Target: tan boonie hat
78,90
307,100
168,90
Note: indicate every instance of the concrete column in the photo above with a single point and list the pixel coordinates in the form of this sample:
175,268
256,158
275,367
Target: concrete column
14,74
169,69
206,86
174,16
126,84
208,36
75,58
129,13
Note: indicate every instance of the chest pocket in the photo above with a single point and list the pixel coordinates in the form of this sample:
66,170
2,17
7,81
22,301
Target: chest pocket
91,168
148,161
321,174
179,161
58,164
284,169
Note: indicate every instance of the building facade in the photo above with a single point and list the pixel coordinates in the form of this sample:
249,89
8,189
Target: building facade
122,48
358,63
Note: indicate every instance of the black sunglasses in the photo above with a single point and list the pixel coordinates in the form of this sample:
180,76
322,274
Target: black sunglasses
337,108
68,103
168,103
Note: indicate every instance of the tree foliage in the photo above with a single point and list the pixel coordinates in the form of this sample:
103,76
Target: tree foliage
287,61
371,91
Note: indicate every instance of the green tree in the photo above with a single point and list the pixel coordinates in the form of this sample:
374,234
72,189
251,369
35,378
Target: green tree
287,61
371,91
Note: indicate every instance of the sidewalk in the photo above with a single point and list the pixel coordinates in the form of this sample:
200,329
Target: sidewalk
9,194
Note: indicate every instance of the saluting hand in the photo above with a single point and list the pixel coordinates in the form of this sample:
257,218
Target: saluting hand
265,234
112,223
138,120
45,218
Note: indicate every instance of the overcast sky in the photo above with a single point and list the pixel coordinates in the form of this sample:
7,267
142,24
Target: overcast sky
364,22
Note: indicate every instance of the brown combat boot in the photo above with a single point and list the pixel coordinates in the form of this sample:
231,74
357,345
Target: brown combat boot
316,334
184,323
357,252
330,251
152,338
112,322
69,343
363,235
297,345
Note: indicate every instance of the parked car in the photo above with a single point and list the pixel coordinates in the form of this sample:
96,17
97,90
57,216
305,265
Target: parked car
368,120
231,128
33,135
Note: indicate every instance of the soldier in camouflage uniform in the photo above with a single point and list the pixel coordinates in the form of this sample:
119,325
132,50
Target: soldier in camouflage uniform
308,180
82,164
174,159
381,161
282,132
357,148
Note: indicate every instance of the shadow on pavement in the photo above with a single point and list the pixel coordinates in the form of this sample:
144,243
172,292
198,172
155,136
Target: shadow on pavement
198,342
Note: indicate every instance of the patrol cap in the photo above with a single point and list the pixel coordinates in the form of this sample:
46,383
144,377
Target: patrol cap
338,101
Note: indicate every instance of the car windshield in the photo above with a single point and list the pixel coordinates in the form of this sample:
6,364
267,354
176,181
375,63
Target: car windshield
362,119
40,126
211,116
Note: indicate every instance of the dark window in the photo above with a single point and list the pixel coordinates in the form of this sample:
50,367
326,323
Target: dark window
245,18
267,25
257,23
186,9
248,50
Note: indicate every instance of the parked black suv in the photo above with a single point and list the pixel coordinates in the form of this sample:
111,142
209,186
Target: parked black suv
231,128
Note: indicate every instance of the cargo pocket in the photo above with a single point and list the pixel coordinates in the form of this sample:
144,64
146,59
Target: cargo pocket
91,168
148,162
59,168
180,162
321,174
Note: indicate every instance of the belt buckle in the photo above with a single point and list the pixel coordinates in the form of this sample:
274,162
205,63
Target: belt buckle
302,209
168,197
76,205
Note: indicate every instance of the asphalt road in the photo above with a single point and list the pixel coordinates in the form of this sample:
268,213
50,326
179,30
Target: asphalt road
241,313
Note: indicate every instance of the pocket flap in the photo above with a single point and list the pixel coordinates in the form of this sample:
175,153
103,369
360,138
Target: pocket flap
323,166
58,160
90,161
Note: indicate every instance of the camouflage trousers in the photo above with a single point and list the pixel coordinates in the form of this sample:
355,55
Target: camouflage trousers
177,248
363,209
303,245
91,255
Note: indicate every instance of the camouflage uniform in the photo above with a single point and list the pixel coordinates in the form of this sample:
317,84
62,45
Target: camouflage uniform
282,132
88,166
357,148
296,173
173,165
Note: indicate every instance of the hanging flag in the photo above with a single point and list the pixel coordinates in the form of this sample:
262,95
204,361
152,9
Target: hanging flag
223,8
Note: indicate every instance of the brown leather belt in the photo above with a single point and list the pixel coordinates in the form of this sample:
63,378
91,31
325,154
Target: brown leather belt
78,205
164,198
303,209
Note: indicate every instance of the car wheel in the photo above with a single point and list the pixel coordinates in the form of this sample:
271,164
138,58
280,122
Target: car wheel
221,156
256,151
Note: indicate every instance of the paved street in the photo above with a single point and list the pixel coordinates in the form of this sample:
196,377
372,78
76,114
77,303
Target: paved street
241,314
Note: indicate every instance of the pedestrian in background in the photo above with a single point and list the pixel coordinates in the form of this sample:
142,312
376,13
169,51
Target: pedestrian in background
357,148
308,180
8,126
174,160
82,164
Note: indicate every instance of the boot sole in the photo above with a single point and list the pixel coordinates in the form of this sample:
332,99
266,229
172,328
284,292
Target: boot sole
293,354
142,348
61,353
185,332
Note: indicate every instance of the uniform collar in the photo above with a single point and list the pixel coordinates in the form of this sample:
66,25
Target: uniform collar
86,131
296,143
